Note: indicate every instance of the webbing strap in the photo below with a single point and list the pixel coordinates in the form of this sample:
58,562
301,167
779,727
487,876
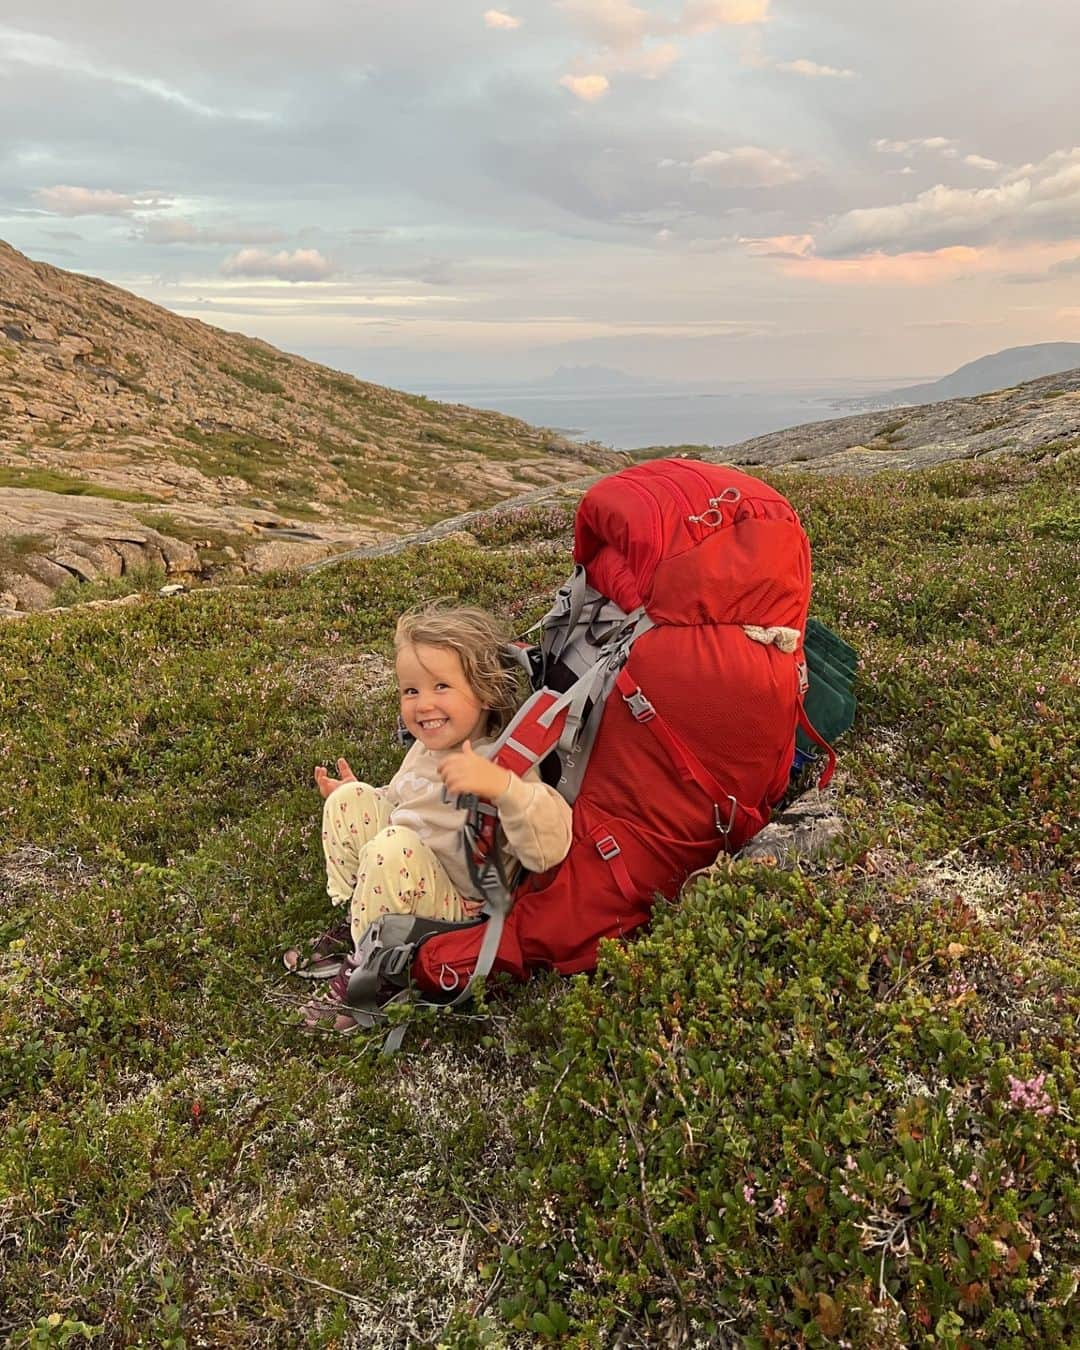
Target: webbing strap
684,758
608,848
808,729
489,949
571,600
582,692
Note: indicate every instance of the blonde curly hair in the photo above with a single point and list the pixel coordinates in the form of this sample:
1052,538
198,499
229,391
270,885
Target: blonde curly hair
480,641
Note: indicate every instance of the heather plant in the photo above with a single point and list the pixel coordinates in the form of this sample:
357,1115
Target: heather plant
832,1108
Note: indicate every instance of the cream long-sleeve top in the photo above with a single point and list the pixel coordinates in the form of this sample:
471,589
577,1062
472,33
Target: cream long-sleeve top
535,822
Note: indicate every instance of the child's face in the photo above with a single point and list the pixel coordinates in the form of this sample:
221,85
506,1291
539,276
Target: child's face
437,704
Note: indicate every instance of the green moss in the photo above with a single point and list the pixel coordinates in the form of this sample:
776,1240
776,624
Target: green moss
257,459
48,480
254,379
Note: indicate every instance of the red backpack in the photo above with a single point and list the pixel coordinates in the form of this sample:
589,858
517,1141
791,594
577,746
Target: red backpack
669,682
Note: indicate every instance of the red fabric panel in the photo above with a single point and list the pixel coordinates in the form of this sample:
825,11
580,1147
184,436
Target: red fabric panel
608,573
755,571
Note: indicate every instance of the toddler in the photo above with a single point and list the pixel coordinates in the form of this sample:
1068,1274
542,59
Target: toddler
399,849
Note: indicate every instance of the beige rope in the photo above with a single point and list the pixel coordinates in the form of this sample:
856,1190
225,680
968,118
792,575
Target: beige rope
786,639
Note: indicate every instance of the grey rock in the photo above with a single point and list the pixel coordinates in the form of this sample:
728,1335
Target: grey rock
178,555
803,832
40,567
75,563
30,593
107,560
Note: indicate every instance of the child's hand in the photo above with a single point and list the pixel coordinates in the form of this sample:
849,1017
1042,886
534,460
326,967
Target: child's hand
467,772
326,784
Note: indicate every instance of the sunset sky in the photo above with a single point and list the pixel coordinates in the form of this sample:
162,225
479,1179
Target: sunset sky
422,190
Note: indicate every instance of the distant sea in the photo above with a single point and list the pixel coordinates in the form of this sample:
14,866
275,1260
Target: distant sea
630,419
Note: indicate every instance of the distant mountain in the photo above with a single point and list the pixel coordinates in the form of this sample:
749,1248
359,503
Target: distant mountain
1002,370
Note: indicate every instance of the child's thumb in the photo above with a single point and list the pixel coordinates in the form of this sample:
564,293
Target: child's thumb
467,747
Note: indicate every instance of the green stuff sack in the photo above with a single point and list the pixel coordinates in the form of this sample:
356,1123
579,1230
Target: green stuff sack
830,704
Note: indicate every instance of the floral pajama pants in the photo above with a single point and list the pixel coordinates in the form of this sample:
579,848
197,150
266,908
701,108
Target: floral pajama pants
378,868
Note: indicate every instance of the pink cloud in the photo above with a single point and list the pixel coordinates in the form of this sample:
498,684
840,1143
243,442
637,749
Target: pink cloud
495,18
303,264
588,88
65,200
794,255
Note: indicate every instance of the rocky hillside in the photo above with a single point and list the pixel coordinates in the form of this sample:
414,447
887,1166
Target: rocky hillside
1033,418
131,437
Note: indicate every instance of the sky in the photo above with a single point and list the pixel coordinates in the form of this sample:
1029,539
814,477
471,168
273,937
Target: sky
424,191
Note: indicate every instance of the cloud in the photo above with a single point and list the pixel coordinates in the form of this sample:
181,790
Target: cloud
621,29
937,218
813,71
908,148
588,88
798,259
64,200
700,16
43,52
746,166
303,264
495,18
981,162
611,23
185,232
1040,201
650,62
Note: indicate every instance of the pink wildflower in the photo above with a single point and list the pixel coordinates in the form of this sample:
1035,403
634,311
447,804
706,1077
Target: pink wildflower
748,1193
1030,1095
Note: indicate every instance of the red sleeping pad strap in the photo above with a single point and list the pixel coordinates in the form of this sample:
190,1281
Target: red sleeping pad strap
807,728
688,764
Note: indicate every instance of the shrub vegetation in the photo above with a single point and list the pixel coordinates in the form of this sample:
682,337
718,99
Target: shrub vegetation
835,1107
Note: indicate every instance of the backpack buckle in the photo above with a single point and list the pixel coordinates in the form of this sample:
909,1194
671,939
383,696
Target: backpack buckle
725,830
608,848
640,708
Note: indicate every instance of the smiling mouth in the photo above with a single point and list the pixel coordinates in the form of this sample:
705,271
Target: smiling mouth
435,725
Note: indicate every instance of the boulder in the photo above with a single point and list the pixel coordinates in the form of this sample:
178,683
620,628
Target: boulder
75,345
132,555
280,553
107,560
75,563
42,569
180,557
30,593
45,412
